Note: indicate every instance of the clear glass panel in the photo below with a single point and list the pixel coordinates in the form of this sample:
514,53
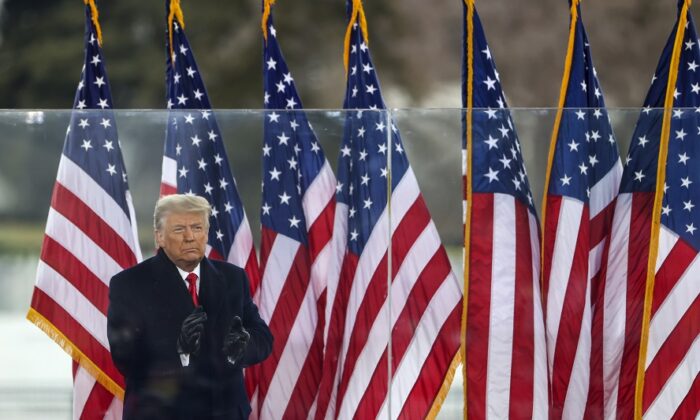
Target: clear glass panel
36,378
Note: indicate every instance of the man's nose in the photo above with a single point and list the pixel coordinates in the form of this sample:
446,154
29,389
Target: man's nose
189,235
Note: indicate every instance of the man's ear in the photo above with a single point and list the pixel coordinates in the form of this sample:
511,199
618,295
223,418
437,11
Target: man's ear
158,237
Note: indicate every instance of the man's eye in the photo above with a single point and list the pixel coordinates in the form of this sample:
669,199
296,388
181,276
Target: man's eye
178,230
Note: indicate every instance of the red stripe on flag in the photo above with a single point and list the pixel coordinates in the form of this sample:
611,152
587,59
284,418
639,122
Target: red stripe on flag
429,281
523,365
550,228
76,334
595,402
336,330
214,255
284,315
76,273
97,403
306,387
672,269
322,230
253,272
90,223
374,296
600,224
671,353
421,398
690,406
569,329
166,189
638,255
479,304
410,227
267,238
427,284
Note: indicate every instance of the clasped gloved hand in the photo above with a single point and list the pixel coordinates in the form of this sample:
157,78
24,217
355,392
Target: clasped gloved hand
191,331
236,341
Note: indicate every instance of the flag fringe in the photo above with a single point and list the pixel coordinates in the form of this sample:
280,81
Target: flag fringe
74,352
445,387
358,11
656,212
94,15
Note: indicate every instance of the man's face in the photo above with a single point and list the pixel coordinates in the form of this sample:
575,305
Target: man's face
183,237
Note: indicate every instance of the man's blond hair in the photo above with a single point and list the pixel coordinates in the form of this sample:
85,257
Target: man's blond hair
178,204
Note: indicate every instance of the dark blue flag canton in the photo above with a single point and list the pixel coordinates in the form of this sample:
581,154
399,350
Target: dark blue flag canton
369,132
91,140
292,156
682,186
586,149
194,141
498,165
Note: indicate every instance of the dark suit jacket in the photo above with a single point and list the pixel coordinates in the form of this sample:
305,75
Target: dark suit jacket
147,304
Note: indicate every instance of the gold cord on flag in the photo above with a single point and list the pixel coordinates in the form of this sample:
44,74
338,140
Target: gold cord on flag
267,6
656,215
95,15
468,185
555,130
358,12
175,13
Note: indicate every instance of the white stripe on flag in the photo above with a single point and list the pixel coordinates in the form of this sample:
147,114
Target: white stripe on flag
242,244
605,190
319,194
568,225
614,306
667,240
672,309
283,250
540,402
73,302
115,410
85,250
292,359
169,172
577,391
337,247
79,182
502,307
402,199
407,372
414,262
678,385
83,383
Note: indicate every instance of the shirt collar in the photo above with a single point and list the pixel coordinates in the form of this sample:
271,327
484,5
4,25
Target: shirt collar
184,273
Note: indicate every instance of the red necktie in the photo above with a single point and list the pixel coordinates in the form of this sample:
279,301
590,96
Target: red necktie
192,280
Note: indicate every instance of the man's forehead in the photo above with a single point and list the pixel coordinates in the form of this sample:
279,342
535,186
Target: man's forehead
181,218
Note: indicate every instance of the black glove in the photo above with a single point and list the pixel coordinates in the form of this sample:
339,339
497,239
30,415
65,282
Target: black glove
191,331
236,340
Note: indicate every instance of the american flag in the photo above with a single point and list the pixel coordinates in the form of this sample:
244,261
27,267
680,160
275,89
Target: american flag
412,319
194,157
505,368
90,236
670,314
298,255
583,181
